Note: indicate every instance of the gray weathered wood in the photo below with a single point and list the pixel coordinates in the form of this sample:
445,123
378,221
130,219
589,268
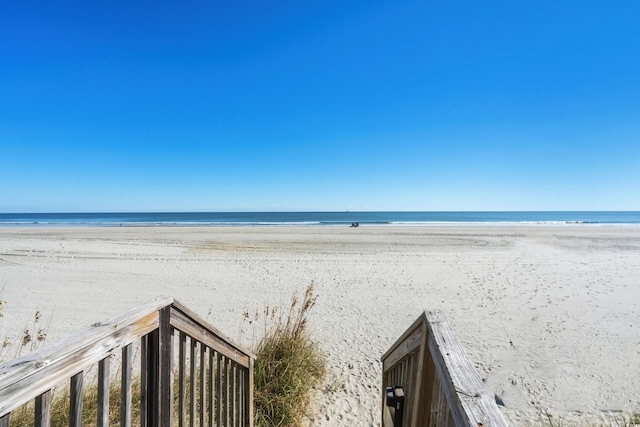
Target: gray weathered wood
249,401
196,319
203,335
234,394
165,369
43,409
211,382
182,378
152,395
192,384
225,389
4,420
75,411
428,379
25,383
219,388
202,378
419,392
126,385
100,334
241,396
238,394
404,336
403,348
145,373
103,392
464,382
444,387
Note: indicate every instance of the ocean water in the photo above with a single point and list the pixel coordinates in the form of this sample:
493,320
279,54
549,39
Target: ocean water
313,218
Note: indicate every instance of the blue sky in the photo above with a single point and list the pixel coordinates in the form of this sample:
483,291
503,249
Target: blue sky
319,105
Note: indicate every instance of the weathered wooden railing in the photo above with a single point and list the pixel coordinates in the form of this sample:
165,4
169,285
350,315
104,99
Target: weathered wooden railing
214,384
441,386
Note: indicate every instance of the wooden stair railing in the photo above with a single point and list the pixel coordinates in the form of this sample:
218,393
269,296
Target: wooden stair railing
440,384
214,384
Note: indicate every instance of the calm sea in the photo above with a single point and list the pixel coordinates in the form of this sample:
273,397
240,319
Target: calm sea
312,218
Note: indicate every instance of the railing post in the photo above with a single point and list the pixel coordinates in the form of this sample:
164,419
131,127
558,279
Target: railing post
103,392
75,412
165,368
125,384
43,410
157,388
249,402
148,378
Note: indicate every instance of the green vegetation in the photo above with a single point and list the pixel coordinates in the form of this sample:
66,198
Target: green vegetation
288,365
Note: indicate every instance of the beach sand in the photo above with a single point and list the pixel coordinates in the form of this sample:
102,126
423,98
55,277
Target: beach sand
549,315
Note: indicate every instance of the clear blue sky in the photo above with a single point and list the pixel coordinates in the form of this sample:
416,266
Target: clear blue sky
319,105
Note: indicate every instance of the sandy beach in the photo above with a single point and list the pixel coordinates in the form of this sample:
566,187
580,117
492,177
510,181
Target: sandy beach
549,315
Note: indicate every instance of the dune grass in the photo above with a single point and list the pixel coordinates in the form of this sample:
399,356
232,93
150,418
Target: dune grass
288,365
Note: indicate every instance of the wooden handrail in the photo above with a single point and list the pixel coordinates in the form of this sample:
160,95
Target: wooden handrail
440,383
190,323
155,324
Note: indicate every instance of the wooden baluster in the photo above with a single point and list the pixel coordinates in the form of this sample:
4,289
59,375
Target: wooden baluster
220,388
203,374
103,392
164,401
75,410
43,410
237,393
192,384
144,380
182,387
225,391
212,379
241,396
249,403
125,384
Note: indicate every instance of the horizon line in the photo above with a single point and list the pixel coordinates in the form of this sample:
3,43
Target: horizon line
307,211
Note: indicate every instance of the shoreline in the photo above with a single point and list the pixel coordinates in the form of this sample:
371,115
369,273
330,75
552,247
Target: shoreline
426,224
322,218
564,295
